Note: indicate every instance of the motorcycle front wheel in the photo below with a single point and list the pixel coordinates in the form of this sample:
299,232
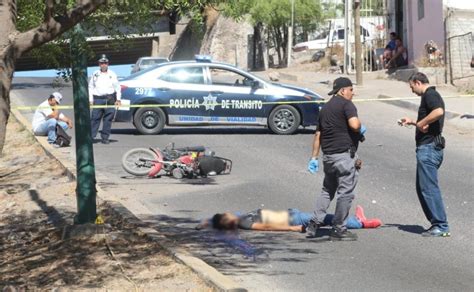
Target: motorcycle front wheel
138,161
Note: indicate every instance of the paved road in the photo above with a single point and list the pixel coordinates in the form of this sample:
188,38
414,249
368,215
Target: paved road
270,171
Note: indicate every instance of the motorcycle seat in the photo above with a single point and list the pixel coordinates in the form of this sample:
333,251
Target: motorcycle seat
192,149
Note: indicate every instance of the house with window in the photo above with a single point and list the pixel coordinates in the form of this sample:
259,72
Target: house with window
448,24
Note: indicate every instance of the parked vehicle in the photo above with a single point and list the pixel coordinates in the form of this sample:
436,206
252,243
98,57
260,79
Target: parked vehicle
205,93
147,62
329,39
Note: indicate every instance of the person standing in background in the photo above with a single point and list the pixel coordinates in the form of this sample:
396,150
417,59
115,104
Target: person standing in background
104,90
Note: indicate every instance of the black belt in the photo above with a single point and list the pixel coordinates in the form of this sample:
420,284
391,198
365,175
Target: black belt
106,96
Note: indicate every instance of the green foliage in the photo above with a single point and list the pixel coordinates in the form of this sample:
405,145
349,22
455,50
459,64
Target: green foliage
275,12
276,16
117,18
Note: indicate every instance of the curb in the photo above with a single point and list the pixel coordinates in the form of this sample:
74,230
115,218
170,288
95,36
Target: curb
206,272
413,106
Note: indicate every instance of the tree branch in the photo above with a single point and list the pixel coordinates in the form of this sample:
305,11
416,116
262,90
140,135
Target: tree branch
48,11
53,27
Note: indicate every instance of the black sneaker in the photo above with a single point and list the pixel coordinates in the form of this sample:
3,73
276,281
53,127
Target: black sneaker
312,228
105,141
435,231
342,235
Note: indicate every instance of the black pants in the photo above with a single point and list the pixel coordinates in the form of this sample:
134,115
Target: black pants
104,114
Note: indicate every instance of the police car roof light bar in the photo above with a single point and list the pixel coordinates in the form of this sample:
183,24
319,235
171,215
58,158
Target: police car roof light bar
203,58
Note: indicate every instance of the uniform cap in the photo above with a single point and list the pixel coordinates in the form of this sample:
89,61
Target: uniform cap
103,58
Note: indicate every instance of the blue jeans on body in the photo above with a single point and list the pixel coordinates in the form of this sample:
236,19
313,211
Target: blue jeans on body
428,161
302,218
48,128
104,114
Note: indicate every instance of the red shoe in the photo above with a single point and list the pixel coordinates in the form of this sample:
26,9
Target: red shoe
372,223
359,213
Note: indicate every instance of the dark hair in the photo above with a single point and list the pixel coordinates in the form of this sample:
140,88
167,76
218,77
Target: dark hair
418,76
398,39
216,221
393,34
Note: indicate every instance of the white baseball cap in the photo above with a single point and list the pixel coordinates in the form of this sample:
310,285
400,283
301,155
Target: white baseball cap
57,96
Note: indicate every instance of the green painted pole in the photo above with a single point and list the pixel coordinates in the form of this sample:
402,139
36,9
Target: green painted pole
85,187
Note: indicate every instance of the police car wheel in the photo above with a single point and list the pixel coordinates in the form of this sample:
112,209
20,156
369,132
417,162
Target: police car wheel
284,120
149,121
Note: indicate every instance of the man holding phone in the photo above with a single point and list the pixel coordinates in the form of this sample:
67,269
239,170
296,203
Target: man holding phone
429,153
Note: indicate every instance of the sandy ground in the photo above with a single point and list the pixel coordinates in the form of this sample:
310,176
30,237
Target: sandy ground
37,200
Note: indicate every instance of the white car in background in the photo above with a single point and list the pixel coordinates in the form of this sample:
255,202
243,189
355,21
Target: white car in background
329,39
147,62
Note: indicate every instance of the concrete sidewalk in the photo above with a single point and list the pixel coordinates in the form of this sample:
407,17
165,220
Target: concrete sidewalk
376,86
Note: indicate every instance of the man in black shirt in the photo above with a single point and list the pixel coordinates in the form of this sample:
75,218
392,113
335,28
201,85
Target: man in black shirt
429,153
338,134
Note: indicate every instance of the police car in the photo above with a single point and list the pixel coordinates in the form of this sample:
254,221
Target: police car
203,93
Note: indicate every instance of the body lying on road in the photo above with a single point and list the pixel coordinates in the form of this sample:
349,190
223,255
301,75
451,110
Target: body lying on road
286,220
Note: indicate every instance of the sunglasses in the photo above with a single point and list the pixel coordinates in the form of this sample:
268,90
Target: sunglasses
103,63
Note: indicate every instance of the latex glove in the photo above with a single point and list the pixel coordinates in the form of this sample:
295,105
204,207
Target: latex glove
363,129
313,166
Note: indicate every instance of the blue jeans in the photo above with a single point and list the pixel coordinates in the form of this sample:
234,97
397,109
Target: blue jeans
104,114
428,161
48,128
302,218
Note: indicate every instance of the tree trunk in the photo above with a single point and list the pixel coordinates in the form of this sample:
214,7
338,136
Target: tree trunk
7,63
6,74
284,45
278,41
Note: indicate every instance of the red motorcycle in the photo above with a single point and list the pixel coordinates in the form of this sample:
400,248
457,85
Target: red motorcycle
189,162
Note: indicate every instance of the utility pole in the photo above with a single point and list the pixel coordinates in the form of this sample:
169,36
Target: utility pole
290,34
347,36
85,186
358,44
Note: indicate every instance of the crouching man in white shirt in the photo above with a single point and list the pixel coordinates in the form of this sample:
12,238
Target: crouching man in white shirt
47,116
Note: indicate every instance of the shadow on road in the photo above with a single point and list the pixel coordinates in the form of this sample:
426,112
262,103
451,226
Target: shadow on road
210,131
417,229
30,85
167,180
237,252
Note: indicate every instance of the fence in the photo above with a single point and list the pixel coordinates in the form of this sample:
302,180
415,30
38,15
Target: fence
461,54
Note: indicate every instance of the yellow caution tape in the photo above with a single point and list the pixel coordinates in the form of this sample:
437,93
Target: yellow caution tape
219,104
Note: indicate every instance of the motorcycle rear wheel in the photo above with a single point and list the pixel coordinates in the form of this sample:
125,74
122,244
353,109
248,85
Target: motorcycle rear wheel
131,161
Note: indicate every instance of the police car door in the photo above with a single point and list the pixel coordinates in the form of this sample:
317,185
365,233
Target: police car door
239,102
186,90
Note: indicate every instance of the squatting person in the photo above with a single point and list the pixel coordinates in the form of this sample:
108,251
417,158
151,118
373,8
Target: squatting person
429,153
104,89
286,220
47,116
338,134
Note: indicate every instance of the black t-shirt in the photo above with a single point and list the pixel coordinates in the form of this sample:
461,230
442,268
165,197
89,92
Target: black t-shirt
336,135
246,221
430,101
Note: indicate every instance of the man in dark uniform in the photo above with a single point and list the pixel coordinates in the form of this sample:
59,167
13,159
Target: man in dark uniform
338,133
429,153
